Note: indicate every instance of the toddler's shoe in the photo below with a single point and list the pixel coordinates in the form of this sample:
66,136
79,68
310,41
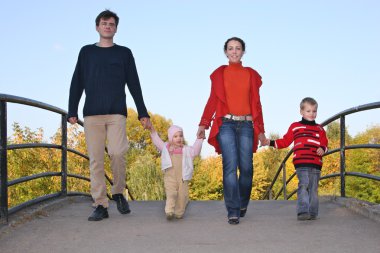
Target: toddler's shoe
169,216
177,216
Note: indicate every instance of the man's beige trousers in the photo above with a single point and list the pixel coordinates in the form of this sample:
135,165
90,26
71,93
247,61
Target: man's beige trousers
102,131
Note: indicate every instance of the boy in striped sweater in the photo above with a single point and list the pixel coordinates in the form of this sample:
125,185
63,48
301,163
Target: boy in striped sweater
310,143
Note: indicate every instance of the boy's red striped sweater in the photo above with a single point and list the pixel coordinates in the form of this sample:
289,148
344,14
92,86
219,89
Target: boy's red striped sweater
307,137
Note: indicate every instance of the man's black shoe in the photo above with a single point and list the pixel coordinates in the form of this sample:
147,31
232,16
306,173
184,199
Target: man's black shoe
99,214
122,204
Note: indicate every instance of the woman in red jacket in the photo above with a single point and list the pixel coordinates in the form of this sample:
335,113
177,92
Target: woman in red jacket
234,111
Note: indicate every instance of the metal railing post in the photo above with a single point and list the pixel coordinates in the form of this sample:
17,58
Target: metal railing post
284,180
64,155
342,156
3,162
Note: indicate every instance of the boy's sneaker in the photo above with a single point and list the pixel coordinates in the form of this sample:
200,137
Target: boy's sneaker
121,202
99,214
313,217
233,220
303,216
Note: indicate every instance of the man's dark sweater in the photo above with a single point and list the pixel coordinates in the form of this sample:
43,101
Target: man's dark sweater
102,73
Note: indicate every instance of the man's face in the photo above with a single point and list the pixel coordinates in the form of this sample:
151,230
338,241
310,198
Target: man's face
107,28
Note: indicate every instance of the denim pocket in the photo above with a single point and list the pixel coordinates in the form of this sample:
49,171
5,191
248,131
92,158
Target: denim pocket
248,123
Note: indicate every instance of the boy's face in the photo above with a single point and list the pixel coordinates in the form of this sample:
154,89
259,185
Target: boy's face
178,139
107,28
309,112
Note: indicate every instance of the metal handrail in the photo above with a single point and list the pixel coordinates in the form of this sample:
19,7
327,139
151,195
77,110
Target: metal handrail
5,211
343,147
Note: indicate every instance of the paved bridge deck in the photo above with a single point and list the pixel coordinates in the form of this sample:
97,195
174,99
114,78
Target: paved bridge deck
269,226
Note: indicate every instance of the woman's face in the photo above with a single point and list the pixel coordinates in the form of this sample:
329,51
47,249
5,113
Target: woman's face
234,51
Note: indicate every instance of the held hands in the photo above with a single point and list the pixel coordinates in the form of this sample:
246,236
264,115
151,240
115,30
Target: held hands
266,142
73,120
320,151
263,140
146,123
201,133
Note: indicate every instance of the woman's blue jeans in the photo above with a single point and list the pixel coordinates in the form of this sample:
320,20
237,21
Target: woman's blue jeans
236,140
307,193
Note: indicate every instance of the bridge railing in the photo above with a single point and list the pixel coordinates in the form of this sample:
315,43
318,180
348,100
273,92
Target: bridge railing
270,194
5,211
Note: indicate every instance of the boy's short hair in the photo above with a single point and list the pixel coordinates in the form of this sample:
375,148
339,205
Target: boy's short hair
308,100
107,14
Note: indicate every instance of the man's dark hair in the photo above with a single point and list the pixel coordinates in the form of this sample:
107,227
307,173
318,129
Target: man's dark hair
107,14
236,39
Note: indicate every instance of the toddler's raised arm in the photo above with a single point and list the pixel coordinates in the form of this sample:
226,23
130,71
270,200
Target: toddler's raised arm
196,148
156,139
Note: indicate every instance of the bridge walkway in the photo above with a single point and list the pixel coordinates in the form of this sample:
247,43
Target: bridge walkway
269,226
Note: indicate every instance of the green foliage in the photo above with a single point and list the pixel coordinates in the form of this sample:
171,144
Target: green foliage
266,163
145,178
366,161
26,162
207,181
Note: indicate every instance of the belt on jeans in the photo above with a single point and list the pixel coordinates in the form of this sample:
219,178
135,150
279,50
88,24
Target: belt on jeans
238,118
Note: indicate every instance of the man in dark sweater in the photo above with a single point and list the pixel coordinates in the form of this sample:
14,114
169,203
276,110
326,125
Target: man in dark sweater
102,70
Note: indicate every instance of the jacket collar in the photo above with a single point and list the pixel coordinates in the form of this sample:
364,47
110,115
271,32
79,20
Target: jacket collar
308,122
218,80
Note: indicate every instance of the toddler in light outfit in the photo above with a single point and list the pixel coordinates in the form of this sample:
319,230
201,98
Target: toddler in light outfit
177,165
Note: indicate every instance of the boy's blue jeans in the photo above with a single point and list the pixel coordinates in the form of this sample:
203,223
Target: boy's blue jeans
307,193
236,140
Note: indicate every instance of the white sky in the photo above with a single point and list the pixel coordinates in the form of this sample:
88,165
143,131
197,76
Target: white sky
329,50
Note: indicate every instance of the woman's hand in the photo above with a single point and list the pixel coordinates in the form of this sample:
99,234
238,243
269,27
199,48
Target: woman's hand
201,133
263,140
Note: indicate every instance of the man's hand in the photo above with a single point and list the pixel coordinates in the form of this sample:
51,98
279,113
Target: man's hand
73,120
145,122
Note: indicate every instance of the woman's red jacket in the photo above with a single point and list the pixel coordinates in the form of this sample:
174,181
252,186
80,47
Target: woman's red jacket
216,107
